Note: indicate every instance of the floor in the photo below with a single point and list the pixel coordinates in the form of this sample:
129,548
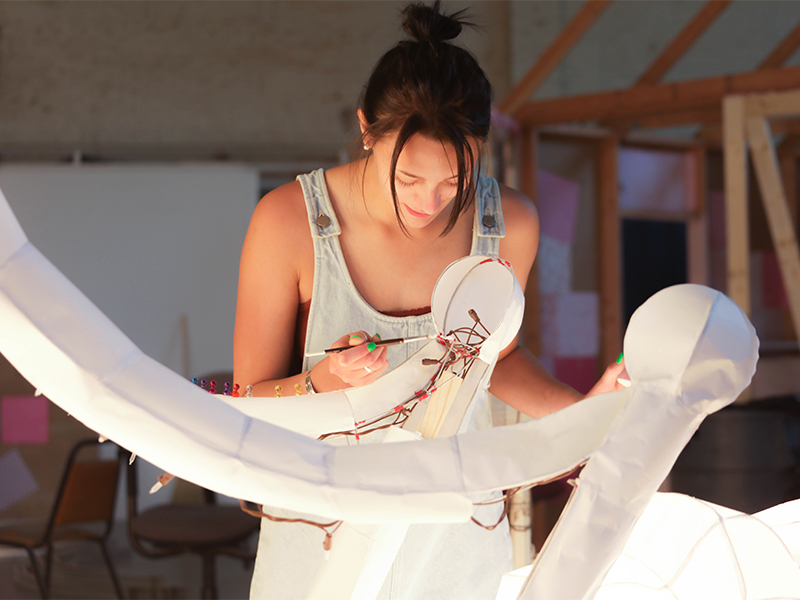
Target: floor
79,573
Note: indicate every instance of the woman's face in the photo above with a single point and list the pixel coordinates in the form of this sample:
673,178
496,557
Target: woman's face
426,178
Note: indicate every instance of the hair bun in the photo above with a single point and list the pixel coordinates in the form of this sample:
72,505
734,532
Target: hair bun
427,24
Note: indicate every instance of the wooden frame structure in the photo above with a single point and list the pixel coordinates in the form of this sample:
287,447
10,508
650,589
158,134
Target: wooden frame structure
739,104
732,111
746,124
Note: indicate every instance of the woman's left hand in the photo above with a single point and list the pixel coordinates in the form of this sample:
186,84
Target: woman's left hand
609,380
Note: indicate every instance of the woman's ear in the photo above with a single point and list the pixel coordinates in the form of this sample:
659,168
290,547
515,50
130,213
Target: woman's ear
362,122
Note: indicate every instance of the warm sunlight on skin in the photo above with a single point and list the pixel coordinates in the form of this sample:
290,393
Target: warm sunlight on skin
426,178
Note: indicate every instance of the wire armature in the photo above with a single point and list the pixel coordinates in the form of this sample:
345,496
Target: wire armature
462,345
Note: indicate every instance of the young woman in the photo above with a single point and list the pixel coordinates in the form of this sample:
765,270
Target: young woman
341,257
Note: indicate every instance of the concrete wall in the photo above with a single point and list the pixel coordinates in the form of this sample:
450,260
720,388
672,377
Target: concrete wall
272,80
200,79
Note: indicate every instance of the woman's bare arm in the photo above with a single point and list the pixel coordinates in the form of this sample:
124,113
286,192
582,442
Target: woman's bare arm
276,273
519,379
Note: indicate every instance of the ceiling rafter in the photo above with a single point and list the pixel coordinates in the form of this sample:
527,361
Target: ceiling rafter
553,55
783,51
683,41
779,55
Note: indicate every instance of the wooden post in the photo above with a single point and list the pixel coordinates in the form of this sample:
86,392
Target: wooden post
736,217
788,163
521,509
778,216
608,255
697,223
527,173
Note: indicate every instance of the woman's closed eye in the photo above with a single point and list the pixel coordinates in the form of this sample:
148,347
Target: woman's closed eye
404,183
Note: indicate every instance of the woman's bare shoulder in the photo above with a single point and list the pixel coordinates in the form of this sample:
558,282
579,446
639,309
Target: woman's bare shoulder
519,212
522,231
282,210
279,233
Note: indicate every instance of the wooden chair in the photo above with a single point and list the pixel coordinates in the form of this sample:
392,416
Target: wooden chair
85,496
206,529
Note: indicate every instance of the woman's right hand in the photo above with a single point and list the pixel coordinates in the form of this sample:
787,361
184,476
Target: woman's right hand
358,365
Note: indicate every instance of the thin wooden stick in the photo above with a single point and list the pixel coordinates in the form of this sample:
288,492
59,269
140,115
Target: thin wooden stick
378,344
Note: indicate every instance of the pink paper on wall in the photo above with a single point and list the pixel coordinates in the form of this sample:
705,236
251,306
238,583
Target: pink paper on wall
659,180
578,371
773,292
25,420
18,481
558,206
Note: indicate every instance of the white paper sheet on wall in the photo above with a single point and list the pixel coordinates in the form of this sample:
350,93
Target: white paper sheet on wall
18,481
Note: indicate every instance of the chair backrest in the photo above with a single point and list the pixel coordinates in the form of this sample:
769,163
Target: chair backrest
88,489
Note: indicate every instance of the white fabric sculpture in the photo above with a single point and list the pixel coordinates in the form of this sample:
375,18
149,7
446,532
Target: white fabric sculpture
689,351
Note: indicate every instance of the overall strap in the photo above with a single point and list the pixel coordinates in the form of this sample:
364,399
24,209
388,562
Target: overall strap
321,218
489,228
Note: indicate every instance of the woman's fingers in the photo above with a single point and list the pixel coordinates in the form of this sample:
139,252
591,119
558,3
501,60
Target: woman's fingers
362,362
609,380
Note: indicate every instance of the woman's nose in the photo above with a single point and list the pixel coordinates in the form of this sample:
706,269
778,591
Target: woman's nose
432,201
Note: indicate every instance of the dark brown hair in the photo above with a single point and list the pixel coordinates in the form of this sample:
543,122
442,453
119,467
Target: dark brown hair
428,86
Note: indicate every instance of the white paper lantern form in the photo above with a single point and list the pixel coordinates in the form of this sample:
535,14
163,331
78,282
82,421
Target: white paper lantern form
683,548
689,351
693,550
784,520
475,283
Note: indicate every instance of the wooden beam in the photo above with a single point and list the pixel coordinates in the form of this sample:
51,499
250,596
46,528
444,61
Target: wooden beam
788,163
553,55
783,50
737,227
609,253
685,40
778,215
671,119
648,100
527,172
773,104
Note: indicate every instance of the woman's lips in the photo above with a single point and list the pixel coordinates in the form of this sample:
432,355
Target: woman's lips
415,213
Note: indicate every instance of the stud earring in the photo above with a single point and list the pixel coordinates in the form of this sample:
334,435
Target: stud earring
366,147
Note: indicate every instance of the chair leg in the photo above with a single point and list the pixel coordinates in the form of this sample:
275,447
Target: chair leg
48,566
37,573
111,571
209,577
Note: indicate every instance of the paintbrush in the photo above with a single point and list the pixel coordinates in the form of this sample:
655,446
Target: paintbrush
373,345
